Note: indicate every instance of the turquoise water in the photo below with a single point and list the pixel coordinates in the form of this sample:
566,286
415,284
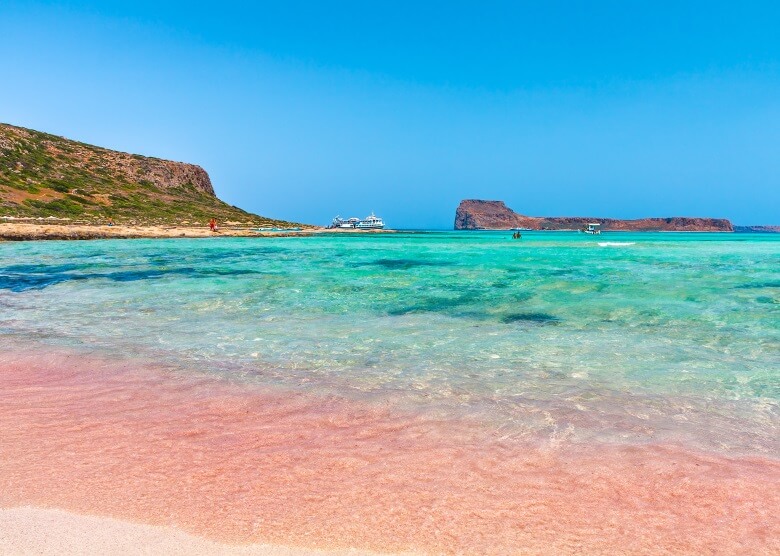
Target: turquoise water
657,337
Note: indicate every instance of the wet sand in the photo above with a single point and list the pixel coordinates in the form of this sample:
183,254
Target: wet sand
235,463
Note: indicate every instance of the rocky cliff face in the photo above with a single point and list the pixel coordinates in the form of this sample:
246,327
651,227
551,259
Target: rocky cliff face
473,214
42,155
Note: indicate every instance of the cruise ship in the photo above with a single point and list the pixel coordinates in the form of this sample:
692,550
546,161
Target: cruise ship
370,222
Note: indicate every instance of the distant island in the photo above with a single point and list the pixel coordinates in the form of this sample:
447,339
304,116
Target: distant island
474,214
758,229
44,176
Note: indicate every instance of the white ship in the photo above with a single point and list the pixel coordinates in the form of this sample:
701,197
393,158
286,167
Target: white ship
339,222
370,222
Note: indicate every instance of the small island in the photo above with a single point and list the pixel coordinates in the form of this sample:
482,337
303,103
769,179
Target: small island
475,214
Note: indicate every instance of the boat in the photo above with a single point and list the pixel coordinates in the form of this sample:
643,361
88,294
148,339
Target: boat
339,222
370,222
592,228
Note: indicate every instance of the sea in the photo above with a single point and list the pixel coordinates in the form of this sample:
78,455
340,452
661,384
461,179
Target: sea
427,377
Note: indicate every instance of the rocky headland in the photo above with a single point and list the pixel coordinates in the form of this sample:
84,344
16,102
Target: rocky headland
46,179
474,214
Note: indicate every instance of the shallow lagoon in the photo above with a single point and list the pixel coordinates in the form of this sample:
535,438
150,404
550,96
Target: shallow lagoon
655,337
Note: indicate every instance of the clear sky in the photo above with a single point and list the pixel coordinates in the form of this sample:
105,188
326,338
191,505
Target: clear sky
305,110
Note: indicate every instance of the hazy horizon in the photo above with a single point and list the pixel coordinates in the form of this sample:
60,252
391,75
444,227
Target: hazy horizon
306,110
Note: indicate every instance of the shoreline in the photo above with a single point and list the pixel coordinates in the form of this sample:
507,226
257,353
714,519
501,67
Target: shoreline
235,463
573,230
25,231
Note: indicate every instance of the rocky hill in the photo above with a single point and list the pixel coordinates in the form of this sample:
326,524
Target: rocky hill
473,214
42,175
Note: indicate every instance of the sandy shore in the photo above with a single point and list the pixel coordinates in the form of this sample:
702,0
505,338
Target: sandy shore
24,231
243,465
40,531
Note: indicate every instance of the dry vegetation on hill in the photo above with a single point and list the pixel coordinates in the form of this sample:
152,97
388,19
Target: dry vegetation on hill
42,175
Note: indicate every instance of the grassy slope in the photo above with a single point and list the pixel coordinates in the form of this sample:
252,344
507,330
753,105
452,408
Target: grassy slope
42,175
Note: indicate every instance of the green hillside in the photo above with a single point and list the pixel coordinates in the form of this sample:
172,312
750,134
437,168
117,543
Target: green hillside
42,175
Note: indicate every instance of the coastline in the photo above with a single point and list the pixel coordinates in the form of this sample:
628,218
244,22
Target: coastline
25,231
570,230
245,465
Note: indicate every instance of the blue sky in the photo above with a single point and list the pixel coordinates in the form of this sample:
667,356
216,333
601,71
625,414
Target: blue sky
302,110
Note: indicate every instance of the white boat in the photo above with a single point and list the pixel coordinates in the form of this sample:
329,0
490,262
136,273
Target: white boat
339,222
593,228
370,222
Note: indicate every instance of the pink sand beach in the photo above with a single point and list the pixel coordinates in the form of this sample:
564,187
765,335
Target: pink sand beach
162,459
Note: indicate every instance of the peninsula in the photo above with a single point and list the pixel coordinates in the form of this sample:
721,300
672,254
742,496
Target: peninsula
474,214
52,187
